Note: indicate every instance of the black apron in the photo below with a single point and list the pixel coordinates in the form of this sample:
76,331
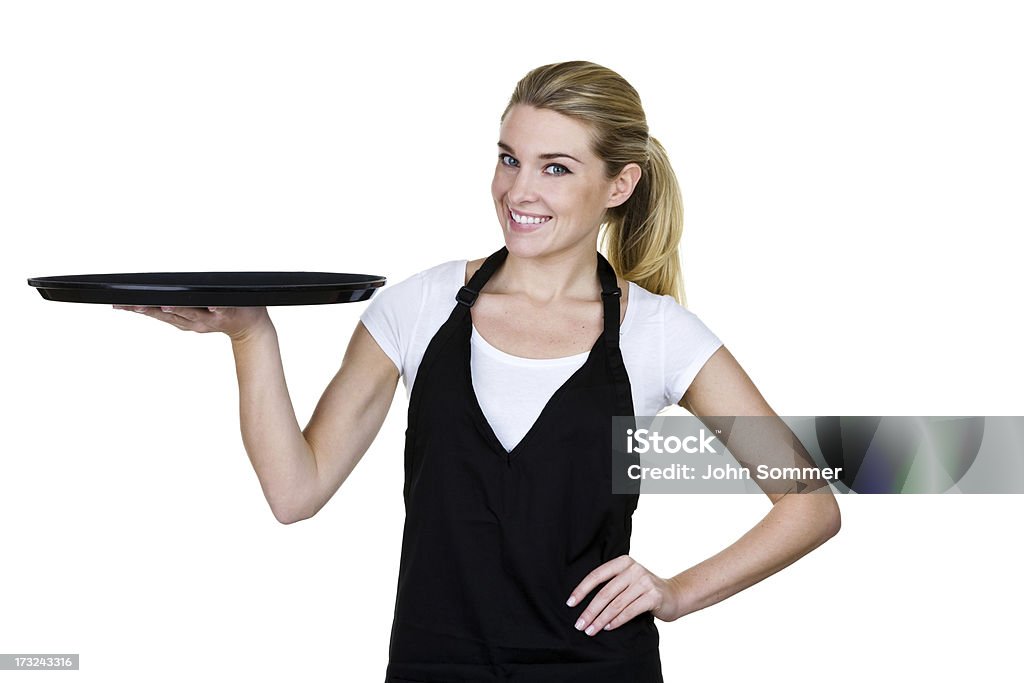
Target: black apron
495,540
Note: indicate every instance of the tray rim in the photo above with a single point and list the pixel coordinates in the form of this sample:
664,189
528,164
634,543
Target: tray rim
57,282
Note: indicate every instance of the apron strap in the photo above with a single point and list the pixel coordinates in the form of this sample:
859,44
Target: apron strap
611,295
467,295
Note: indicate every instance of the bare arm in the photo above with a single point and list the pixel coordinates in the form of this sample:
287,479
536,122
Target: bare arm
796,524
349,414
300,470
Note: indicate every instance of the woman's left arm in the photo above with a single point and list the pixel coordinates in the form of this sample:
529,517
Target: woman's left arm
796,525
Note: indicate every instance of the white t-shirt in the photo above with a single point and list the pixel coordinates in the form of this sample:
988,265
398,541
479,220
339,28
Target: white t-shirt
663,347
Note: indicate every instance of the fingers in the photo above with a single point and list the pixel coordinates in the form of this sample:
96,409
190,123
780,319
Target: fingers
630,590
599,575
155,312
590,620
634,600
186,312
182,317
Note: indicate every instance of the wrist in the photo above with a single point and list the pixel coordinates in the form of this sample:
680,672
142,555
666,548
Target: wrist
682,596
250,335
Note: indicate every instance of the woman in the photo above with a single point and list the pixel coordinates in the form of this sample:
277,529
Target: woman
515,561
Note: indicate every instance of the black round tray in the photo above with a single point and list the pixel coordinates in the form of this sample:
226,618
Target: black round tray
229,288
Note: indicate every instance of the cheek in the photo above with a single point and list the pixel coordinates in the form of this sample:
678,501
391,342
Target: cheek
594,203
499,186
571,202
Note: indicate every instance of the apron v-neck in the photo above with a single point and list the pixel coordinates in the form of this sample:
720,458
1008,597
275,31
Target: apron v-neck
488,429
495,539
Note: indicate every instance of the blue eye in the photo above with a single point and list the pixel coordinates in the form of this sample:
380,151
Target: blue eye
511,161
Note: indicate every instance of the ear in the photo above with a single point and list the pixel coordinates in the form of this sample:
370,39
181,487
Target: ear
623,185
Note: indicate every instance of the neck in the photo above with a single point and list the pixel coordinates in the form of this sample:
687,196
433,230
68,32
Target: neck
569,274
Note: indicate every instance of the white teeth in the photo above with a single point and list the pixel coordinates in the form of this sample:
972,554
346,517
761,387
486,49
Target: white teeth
527,220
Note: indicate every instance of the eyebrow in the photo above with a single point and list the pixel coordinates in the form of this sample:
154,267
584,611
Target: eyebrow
550,155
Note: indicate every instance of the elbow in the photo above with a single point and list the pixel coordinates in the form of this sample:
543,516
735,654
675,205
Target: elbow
294,503
284,518
821,517
291,513
289,517
832,519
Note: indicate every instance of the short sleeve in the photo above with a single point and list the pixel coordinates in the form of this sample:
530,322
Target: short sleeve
392,316
688,345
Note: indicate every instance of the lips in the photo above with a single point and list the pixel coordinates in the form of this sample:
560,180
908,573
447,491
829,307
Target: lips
527,219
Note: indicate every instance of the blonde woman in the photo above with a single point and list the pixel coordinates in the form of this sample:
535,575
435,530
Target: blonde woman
515,557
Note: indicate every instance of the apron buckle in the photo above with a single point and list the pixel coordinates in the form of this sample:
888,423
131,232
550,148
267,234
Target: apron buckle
466,296
615,292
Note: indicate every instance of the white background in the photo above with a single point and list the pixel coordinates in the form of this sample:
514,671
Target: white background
852,180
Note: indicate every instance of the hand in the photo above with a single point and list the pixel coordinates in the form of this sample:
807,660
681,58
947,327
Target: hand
238,323
631,590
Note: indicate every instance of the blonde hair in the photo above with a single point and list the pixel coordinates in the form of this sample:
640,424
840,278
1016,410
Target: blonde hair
642,234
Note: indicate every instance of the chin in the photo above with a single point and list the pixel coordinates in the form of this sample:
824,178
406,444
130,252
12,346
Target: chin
529,246
523,246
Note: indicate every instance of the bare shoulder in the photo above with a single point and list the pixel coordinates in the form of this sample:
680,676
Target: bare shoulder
472,267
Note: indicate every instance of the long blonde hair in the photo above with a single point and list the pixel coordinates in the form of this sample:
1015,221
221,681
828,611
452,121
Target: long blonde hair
642,234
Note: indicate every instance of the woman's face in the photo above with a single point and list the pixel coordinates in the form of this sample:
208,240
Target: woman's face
549,189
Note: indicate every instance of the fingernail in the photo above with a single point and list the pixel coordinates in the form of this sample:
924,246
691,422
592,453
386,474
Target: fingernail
607,626
165,309
571,601
579,624
590,630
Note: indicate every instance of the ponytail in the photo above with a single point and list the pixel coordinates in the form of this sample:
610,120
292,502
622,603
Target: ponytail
641,237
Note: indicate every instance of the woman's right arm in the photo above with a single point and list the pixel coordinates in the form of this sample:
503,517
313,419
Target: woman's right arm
298,470
348,417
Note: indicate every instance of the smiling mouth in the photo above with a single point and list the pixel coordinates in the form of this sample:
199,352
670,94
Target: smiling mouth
527,220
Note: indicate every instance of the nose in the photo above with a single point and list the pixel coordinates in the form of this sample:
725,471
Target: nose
524,188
